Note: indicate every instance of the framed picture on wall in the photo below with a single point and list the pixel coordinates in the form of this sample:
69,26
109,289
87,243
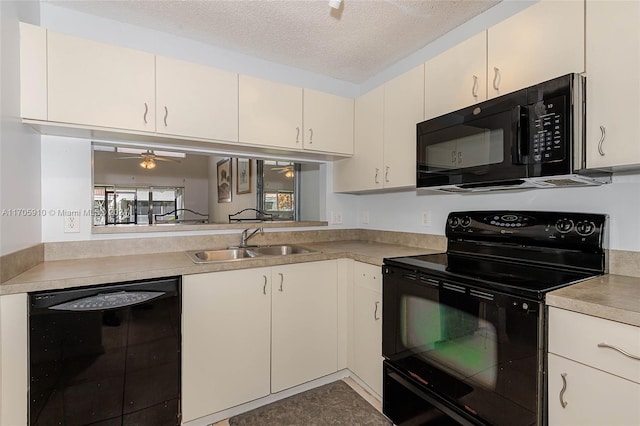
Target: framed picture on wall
225,181
243,176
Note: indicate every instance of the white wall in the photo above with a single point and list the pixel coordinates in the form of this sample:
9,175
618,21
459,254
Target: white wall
403,211
19,145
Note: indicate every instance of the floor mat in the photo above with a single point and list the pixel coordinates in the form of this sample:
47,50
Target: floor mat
332,404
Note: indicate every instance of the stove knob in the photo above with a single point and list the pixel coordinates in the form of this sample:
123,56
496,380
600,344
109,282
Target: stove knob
564,225
585,228
465,221
454,222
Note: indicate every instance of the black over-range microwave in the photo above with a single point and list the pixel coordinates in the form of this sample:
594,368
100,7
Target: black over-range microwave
527,139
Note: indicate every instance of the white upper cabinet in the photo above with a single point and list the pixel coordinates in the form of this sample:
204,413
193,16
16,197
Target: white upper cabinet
457,77
99,84
403,109
542,42
270,113
33,72
328,122
194,100
613,83
363,171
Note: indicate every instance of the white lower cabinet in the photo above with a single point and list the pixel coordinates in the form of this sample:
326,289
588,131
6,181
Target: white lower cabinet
226,338
593,378
590,396
252,332
367,325
304,323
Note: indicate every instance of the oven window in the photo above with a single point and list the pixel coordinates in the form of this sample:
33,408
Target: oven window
458,342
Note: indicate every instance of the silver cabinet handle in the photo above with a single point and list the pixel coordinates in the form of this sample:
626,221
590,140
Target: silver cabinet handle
166,114
453,156
264,288
459,157
603,135
375,312
281,280
386,174
474,89
496,78
310,135
622,351
376,177
563,390
146,110
298,135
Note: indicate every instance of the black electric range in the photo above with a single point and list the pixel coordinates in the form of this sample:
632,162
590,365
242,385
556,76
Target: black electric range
464,332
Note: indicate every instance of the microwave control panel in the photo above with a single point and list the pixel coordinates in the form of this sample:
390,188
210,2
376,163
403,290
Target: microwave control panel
547,131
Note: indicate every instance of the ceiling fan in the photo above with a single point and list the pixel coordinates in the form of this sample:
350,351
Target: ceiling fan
287,170
149,158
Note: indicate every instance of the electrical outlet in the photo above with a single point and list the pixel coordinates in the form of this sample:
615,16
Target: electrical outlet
426,217
336,218
365,217
71,223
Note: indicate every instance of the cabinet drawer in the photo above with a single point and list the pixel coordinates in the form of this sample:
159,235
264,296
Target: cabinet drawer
577,336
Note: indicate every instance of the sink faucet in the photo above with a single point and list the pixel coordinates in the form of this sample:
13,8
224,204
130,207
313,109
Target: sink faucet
245,236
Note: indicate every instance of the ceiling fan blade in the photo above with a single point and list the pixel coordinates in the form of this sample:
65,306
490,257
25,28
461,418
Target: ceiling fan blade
137,157
171,160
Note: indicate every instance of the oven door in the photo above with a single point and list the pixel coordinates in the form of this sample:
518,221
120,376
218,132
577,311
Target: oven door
481,352
481,144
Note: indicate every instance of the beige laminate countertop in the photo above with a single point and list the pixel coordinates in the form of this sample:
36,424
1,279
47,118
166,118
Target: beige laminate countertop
81,272
612,297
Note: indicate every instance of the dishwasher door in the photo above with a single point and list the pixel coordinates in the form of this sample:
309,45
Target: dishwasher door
107,354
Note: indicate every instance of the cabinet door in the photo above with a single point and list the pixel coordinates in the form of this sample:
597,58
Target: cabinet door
613,86
194,100
33,72
403,109
542,42
367,325
304,342
457,77
225,340
328,122
270,113
364,170
98,84
592,397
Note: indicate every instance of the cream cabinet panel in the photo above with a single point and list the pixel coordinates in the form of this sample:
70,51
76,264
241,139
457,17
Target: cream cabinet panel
194,100
592,397
542,42
567,338
328,122
364,170
304,323
33,72
98,84
270,113
457,77
225,340
367,325
613,86
403,109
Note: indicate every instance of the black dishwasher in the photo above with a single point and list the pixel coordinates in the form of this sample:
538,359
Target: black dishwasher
107,354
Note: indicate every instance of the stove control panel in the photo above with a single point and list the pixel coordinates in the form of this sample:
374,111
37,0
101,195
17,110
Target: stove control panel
542,228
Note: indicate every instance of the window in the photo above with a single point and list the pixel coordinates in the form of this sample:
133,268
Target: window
121,205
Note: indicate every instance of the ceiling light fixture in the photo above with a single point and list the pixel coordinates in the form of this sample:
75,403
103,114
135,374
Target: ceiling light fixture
148,163
288,174
335,4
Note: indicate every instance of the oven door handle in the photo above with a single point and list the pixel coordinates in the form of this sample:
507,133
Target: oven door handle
104,301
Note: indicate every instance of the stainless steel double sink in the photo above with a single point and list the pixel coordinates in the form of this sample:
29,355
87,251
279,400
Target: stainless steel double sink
240,253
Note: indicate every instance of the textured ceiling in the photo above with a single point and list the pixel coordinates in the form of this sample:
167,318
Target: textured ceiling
353,43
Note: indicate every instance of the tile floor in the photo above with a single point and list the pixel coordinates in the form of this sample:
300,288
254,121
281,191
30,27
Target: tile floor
348,380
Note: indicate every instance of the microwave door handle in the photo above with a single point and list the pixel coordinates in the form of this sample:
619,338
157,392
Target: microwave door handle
522,135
